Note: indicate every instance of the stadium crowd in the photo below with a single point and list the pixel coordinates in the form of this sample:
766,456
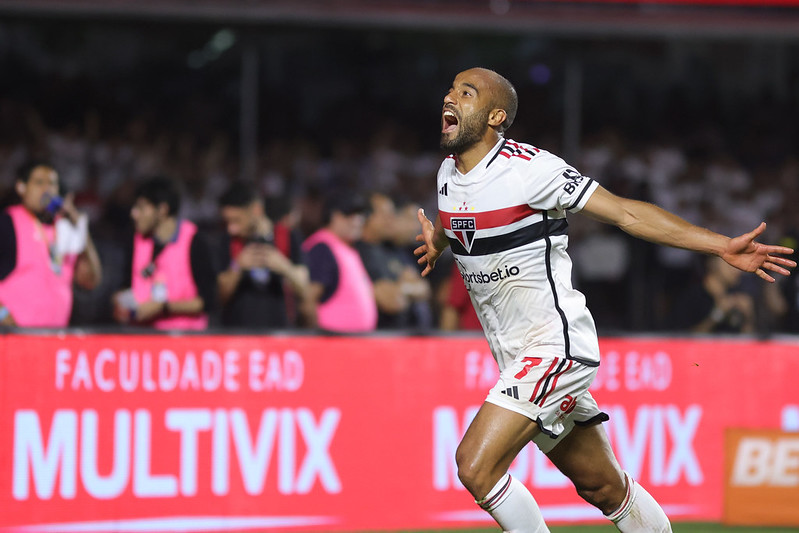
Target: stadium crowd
631,286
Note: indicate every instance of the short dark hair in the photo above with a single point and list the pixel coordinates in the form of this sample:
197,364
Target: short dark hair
160,190
507,100
26,169
345,202
239,194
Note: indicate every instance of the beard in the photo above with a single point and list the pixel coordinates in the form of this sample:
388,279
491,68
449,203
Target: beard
470,131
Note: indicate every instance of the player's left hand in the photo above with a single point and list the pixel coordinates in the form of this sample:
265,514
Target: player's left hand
744,253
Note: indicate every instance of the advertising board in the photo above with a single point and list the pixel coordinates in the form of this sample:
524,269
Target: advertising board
243,433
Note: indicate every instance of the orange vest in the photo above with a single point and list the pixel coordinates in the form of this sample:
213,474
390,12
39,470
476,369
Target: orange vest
170,279
38,293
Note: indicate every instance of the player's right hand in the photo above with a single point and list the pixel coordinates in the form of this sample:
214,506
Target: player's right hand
428,252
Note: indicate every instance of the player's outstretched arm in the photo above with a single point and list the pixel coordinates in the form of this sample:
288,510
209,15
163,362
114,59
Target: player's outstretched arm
650,222
433,240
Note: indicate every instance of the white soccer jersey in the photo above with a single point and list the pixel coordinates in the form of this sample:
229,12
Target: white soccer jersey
506,224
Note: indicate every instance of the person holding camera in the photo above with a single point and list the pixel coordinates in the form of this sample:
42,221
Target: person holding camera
717,304
170,265
265,283
45,246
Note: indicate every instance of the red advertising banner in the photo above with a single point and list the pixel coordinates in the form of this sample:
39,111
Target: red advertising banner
215,433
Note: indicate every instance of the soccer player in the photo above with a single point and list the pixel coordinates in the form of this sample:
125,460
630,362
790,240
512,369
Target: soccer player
502,209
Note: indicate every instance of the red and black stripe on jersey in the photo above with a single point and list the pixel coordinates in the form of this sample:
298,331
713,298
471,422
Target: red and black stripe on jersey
511,149
500,218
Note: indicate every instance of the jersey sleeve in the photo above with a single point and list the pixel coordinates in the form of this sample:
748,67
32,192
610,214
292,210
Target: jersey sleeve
553,185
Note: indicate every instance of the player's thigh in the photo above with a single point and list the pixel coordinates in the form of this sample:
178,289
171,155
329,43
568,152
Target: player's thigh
492,441
587,459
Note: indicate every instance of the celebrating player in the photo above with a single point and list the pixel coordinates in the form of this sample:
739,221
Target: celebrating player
502,209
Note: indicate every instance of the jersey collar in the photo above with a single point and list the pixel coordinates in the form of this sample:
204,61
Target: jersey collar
487,159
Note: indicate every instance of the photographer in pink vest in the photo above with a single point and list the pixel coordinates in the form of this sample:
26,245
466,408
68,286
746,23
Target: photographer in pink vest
339,282
172,279
44,246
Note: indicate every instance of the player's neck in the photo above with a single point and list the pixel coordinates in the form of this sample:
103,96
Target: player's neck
471,157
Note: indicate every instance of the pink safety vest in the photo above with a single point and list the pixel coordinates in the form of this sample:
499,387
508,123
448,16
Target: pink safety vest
37,294
172,274
352,307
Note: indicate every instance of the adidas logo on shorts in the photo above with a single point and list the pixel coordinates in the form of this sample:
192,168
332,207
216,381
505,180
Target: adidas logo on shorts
513,392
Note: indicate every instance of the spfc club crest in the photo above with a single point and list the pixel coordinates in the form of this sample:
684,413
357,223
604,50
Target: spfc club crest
464,229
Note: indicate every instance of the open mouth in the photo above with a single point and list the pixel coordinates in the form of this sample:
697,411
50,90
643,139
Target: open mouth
449,121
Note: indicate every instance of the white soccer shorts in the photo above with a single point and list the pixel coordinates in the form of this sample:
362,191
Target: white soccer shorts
552,391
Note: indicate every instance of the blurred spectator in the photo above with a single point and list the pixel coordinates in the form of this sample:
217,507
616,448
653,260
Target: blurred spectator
397,285
70,152
789,287
172,280
112,160
45,245
311,208
716,305
403,242
264,281
458,312
601,265
339,282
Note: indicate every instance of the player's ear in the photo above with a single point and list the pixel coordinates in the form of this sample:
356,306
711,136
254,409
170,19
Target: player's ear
21,187
497,117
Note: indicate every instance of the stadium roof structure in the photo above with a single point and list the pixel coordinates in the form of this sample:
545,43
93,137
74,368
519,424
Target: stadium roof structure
774,19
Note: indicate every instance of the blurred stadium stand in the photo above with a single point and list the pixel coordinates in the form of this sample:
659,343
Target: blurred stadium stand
690,105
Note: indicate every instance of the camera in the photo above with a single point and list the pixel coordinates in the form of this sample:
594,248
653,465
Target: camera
262,239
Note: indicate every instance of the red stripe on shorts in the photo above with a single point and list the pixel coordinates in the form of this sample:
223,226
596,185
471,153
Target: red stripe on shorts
544,378
554,384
